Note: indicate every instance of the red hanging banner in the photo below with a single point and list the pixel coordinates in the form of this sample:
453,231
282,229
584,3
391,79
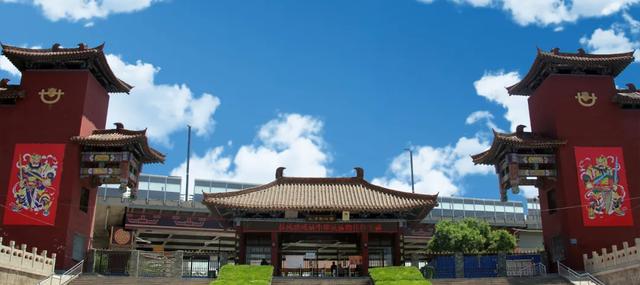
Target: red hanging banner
602,181
34,185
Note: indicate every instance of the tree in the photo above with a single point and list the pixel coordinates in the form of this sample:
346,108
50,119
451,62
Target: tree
470,236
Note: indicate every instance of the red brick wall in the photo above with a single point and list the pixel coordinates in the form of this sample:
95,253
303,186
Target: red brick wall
82,109
556,113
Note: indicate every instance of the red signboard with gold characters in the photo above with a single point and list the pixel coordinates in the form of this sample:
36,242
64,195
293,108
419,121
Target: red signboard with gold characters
34,185
602,180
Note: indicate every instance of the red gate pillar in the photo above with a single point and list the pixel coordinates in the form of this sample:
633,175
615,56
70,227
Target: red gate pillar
275,253
242,246
364,243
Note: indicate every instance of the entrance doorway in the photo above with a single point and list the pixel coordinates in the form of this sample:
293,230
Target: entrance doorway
321,255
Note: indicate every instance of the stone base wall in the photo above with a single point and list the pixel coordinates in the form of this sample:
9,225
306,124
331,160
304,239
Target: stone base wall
15,277
629,275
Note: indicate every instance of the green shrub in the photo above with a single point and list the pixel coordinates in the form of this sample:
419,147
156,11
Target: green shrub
244,274
397,275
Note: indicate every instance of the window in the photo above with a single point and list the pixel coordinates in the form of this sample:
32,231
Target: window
84,199
551,201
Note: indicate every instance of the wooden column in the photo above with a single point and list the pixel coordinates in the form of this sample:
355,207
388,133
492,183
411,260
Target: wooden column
397,255
275,253
242,244
364,244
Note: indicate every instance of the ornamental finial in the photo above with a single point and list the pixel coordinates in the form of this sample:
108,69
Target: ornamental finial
279,172
631,87
520,129
359,172
119,126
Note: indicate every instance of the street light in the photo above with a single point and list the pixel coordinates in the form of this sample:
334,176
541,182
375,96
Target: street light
413,190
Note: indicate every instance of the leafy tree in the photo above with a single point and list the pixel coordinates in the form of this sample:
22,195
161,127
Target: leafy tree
470,236
502,240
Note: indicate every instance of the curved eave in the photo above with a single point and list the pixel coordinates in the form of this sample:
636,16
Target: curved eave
94,56
500,141
149,154
613,63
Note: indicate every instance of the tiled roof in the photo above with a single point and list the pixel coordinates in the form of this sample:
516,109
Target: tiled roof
320,194
120,137
627,96
547,63
9,92
57,57
518,139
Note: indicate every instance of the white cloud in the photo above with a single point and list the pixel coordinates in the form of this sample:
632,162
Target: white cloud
163,108
482,116
436,169
552,12
492,86
529,191
8,67
75,10
634,25
293,141
610,41
84,10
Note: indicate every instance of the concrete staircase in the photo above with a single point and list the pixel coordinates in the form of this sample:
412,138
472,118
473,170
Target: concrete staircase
320,281
549,279
117,280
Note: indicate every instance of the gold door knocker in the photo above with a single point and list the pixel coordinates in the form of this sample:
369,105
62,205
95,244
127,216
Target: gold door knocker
50,96
585,99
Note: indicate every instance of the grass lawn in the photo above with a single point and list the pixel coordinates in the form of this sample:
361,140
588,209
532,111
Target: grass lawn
397,275
244,274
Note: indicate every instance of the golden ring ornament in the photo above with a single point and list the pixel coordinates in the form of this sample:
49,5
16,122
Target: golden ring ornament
121,237
50,96
586,99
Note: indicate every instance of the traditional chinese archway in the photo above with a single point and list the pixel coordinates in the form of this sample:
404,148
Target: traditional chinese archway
583,152
314,222
54,151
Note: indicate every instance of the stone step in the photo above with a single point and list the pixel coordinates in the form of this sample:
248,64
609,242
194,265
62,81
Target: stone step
549,279
117,280
320,281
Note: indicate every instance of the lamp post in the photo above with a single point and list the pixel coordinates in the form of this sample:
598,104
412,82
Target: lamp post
186,196
413,190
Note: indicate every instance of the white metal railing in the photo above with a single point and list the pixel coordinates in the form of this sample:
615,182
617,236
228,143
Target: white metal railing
521,268
65,277
577,278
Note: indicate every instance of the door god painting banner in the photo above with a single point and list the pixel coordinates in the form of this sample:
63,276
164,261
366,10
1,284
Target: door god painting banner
34,185
602,180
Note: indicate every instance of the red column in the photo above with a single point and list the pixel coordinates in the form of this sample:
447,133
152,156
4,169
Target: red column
242,244
275,253
397,256
364,244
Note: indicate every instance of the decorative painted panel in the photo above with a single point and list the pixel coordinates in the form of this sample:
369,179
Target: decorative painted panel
34,184
602,181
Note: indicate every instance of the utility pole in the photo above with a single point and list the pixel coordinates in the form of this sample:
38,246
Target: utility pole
186,196
413,190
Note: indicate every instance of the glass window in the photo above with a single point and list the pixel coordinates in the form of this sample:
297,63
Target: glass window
519,209
509,209
490,208
457,206
143,185
468,207
499,208
479,207
156,186
445,205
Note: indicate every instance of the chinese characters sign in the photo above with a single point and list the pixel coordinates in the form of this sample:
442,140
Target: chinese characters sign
292,227
602,181
34,184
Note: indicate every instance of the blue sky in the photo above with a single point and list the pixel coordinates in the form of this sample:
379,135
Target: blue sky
323,86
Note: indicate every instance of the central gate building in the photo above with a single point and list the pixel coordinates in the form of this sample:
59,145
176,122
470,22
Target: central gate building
320,226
